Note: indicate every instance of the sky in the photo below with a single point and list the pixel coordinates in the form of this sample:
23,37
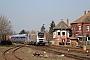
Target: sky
32,14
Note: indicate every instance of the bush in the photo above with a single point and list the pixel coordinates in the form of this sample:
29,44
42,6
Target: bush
6,42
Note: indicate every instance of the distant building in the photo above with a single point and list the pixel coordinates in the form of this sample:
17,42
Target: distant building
81,26
61,33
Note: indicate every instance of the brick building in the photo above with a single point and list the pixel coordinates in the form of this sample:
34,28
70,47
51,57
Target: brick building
81,26
61,33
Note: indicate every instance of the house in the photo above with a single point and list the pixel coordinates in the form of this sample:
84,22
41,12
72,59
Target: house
61,33
81,26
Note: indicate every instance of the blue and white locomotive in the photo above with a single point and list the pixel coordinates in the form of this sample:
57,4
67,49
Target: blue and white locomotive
37,39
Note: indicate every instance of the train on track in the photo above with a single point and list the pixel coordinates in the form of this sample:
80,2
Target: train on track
36,39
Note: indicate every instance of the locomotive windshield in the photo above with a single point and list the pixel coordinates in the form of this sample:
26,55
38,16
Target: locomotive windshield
41,35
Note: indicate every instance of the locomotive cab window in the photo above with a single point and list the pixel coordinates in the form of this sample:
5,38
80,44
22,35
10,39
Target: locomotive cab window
41,35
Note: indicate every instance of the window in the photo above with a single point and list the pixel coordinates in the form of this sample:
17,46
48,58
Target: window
79,27
63,33
54,34
41,35
58,33
72,28
87,28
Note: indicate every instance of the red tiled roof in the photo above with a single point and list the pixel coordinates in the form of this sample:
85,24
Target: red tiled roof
85,19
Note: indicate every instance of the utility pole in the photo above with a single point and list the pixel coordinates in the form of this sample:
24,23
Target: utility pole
84,45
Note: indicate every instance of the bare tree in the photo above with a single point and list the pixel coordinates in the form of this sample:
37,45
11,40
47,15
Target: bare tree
5,26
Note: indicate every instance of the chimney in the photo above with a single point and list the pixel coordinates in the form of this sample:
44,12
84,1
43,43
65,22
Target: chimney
84,12
61,19
67,21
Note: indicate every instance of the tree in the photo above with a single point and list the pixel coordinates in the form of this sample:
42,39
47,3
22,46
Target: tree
13,32
22,32
50,34
43,28
32,32
5,26
27,32
52,25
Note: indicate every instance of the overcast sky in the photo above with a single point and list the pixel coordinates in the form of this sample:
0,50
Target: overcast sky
32,14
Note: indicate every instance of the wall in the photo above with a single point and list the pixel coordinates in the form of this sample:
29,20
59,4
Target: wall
75,29
60,38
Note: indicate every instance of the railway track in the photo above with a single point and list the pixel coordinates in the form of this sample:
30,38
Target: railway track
55,51
13,52
70,55
71,49
75,50
49,49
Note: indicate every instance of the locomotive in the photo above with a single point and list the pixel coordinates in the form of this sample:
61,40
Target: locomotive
36,39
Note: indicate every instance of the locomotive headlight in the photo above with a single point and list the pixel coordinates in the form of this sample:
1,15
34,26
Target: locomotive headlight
37,40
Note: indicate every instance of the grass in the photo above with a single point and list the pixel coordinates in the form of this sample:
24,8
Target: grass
30,54
88,46
2,47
